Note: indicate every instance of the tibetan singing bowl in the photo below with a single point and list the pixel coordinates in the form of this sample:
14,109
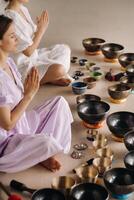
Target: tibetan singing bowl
97,144
105,152
92,45
87,174
87,97
102,164
93,112
119,123
89,191
119,91
128,81
129,160
119,181
111,50
130,70
63,183
126,59
129,140
90,81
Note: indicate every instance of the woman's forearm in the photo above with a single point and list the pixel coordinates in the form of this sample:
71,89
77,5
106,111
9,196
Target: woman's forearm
36,41
18,111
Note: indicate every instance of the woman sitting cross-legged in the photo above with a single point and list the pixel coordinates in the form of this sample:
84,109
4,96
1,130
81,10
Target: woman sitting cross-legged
53,62
28,137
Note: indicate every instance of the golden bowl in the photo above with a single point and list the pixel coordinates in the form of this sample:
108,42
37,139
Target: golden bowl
87,174
102,164
105,152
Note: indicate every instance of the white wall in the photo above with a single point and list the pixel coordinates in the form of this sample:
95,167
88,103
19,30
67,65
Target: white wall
73,20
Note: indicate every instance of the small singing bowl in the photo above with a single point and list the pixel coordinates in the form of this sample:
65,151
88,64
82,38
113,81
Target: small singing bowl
87,97
93,112
130,70
87,191
90,81
63,183
96,74
120,182
102,164
129,140
97,144
128,81
126,59
119,91
111,50
105,152
79,87
92,45
129,160
119,123
87,174
89,65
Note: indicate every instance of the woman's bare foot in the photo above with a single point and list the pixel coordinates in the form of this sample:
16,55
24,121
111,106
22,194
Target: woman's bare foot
51,164
62,82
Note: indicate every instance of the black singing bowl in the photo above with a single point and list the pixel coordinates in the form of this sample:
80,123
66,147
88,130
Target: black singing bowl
42,194
119,123
93,112
111,50
129,140
130,70
88,191
129,160
92,44
127,80
119,181
119,91
126,59
87,97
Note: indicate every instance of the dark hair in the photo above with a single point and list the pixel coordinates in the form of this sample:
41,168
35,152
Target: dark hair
7,0
4,25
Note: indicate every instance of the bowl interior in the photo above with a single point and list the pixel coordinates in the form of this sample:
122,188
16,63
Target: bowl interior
93,107
126,57
130,69
119,88
87,97
88,191
79,85
112,47
93,41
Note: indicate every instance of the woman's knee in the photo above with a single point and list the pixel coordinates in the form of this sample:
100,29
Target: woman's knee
66,48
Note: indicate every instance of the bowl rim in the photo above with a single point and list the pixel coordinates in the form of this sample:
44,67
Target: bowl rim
110,44
119,84
116,168
124,54
119,112
94,38
88,183
96,102
82,87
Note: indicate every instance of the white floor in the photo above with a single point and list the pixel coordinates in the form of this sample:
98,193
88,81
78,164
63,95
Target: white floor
70,22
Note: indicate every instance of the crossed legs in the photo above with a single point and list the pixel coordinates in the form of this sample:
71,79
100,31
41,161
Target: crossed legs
56,75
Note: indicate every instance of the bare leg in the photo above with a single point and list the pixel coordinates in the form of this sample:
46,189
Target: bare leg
56,75
51,164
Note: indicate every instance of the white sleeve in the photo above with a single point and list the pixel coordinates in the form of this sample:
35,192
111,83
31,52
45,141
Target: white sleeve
23,36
